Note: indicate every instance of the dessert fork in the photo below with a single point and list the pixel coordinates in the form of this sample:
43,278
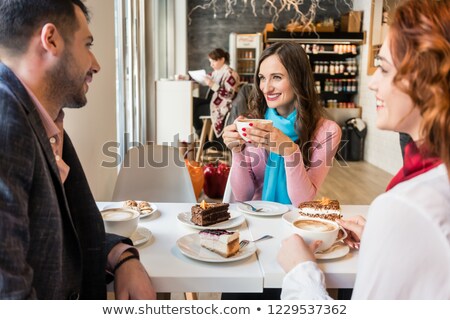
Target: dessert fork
251,207
243,243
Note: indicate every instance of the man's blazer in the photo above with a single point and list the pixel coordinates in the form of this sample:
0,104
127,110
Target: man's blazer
52,238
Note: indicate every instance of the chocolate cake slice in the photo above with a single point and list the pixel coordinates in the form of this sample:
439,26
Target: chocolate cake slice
206,214
325,209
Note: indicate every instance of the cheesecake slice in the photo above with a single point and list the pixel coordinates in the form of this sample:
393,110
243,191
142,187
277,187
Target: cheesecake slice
223,242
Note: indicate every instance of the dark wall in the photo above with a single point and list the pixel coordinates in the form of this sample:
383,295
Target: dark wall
206,33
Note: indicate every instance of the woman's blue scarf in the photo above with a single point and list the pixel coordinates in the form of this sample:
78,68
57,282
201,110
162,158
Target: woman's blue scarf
275,184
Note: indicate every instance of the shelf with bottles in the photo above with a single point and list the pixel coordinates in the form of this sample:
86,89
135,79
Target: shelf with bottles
247,66
315,37
347,67
246,53
337,86
337,50
336,104
323,76
246,63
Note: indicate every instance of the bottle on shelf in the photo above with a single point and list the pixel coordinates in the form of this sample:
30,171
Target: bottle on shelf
316,67
317,84
341,67
321,67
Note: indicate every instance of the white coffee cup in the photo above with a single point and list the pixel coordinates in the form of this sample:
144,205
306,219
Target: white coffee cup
245,124
312,229
121,221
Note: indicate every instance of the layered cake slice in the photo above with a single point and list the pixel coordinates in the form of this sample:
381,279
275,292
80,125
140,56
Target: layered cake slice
205,214
325,209
223,242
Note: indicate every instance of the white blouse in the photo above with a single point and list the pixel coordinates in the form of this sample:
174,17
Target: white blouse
405,248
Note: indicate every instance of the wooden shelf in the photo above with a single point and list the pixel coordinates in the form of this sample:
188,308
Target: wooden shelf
332,53
331,94
323,76
319,37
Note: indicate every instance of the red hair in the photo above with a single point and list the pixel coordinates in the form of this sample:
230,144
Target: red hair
420,47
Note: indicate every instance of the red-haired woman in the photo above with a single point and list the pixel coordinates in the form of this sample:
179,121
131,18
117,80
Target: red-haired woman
405,243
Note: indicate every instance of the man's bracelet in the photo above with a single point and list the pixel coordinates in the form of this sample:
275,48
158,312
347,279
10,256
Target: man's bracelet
121,262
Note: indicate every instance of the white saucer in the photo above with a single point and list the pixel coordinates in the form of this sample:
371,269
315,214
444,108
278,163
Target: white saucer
339,252
120,204
290,216
236,219
189,245
269,208
140,236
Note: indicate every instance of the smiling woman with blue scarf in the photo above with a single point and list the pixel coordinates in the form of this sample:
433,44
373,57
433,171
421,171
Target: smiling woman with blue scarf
286,162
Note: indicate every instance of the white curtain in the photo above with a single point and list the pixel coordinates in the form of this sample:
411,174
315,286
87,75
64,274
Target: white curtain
151,43
131,73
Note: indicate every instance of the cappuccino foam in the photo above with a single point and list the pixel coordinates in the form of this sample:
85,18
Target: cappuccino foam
118,216
314,225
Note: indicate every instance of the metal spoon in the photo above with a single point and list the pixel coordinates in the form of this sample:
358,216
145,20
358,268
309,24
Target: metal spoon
251,207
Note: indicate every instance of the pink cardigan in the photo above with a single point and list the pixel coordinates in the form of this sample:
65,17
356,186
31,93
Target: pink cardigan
248,167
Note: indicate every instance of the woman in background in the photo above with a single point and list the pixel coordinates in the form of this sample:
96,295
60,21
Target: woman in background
223,85
405,243
288,162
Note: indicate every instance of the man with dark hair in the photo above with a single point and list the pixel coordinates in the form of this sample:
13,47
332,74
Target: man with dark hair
52,239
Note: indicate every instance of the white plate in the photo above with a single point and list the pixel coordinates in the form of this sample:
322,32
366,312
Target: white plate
339,252
236,219
269,208
140,236
189,245
121,205
290,216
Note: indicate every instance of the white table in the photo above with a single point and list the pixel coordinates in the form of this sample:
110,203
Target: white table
339,273
171,271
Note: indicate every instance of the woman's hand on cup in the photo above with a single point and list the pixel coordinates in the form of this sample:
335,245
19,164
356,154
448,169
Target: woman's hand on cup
261,133
232,138
294,251
272,139
355,228
280,143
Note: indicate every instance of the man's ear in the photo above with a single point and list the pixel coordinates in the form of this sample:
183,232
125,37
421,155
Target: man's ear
51,39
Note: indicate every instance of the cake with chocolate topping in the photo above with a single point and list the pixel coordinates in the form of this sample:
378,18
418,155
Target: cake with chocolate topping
223,242
206,214
325,209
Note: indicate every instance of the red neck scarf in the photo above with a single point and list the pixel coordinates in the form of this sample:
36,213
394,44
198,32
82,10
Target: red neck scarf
414,164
